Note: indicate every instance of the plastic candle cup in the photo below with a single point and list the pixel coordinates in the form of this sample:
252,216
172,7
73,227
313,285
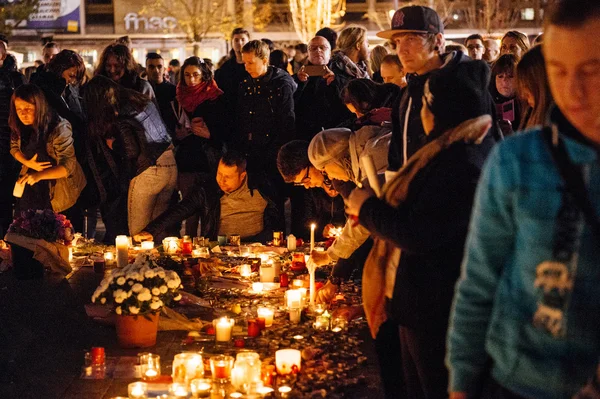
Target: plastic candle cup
187,366
267,314
293,298
223,327
221,367
295,315
287,361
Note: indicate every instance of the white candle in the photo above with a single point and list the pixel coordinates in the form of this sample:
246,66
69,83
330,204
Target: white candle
291,242
267,314
171,245
122,244
146,245
312,237
257,287
286,359
223,328
294,298
267,272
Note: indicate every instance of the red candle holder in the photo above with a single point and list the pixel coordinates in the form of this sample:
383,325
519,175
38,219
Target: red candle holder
98,357
253,328
261,322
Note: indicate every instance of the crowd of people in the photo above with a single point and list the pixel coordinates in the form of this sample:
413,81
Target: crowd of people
477,237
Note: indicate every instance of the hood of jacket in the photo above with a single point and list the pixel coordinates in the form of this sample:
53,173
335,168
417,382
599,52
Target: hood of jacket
373,141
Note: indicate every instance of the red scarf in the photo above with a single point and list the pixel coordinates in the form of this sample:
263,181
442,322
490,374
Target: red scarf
189,97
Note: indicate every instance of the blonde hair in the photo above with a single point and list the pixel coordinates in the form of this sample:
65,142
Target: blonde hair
350,37
376,58
257,47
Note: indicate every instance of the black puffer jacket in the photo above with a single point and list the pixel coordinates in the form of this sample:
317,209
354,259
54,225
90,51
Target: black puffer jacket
205,199
265,117
228,78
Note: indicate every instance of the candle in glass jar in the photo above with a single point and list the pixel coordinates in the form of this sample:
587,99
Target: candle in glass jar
267,272
187,366
122,244
150,366
294,298
177,390
146,245
253,328
137,390
267,314
223,327
201,387
288,360
109,258
295,315
221,366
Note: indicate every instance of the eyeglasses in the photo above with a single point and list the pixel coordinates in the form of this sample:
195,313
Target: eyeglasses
305,179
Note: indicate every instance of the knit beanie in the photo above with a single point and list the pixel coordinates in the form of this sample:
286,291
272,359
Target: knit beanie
457,93
329,146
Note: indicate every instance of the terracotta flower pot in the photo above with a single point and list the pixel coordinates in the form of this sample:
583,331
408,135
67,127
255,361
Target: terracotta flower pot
137,331
25,267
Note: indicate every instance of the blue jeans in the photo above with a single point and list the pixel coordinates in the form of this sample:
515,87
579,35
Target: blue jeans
150,192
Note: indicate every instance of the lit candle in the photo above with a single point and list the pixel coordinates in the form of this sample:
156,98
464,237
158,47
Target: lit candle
137,390
298,283
264,391
257,287
338,324
223,327
196,253
287,360
150,366
221,366
303,292
109,258
201,387
295,315
122,244
267,314
267,272
177,390
187,366
263,258
245,270
294,298
146,245
312,237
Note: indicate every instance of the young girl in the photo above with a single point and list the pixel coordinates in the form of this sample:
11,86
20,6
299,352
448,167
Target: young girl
42,141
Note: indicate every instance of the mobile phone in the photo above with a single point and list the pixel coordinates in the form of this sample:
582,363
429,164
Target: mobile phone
315,70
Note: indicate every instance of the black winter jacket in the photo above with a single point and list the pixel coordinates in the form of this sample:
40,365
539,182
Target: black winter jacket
266,118
430,228
228,78
205,200
10,79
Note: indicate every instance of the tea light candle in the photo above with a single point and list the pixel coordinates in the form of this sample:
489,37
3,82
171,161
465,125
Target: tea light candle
223,327
150,366
312,237
122,244
245,270
201,387
287,360
177,390
267,314
147,245
264,391
137,390
257,287
109,257
294,298
187,366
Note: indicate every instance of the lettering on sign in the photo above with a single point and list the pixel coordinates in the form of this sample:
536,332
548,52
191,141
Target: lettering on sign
135,22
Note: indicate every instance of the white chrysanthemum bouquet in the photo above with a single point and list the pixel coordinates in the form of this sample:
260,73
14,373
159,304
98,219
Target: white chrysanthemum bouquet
139,288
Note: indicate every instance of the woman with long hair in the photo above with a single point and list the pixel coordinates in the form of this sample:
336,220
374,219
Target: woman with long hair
134,143
376,57
117,64
200,105
532,87
503,89
515,43
41,141
350,58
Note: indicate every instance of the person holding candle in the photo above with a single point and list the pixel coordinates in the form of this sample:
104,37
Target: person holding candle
43,142
239,203
421,223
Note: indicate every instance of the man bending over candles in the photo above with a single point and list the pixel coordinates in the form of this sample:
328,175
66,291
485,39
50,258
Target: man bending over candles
237,204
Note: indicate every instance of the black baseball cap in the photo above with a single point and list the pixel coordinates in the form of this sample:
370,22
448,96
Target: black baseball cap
4,39
416,19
